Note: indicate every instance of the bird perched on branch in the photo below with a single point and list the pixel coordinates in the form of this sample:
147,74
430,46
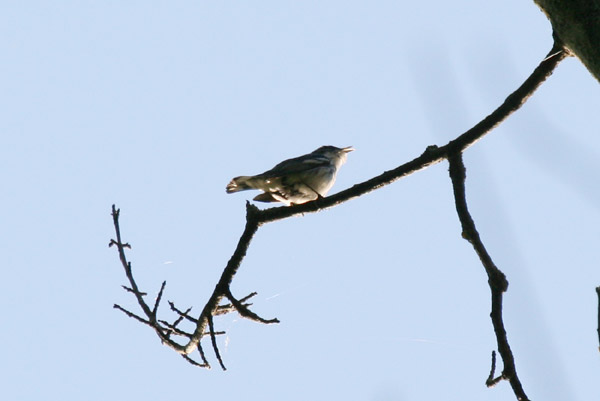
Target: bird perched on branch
298,180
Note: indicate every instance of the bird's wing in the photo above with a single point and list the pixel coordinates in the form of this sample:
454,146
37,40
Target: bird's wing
296,165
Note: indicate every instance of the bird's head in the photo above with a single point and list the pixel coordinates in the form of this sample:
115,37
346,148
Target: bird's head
337,155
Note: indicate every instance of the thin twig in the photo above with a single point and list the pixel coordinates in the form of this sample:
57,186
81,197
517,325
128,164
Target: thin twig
200,365
491,380
132,315
598,293
228,308
213,339
158,298
182,315
245,312
174,329
143,294
203,356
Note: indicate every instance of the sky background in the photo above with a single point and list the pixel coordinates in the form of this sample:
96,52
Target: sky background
155,106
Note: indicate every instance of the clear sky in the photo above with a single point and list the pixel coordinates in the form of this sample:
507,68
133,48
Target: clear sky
155,106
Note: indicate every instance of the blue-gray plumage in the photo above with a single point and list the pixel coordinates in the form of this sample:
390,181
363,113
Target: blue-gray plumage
296,180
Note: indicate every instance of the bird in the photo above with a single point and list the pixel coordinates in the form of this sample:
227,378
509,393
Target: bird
297,180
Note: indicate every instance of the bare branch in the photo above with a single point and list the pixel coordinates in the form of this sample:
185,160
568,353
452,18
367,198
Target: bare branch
143,294
496,279
433,154
200,365
158,298
173,329
213,339
255,218
126,265
245,312
132,315
598,292
203,356
491,381
227,308
163,332
182,315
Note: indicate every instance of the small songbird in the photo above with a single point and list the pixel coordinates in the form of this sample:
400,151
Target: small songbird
298,180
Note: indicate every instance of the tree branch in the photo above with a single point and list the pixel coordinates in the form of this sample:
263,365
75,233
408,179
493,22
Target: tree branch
163,328
496,279
598,293
255,218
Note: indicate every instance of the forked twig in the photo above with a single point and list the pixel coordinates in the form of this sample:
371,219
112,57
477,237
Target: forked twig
163,328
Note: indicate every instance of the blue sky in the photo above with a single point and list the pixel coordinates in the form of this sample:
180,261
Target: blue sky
155,106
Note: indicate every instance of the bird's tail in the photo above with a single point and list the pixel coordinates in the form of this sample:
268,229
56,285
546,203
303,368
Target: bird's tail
238,184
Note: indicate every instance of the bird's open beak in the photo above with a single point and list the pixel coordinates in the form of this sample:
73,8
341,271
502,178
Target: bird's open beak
348,149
